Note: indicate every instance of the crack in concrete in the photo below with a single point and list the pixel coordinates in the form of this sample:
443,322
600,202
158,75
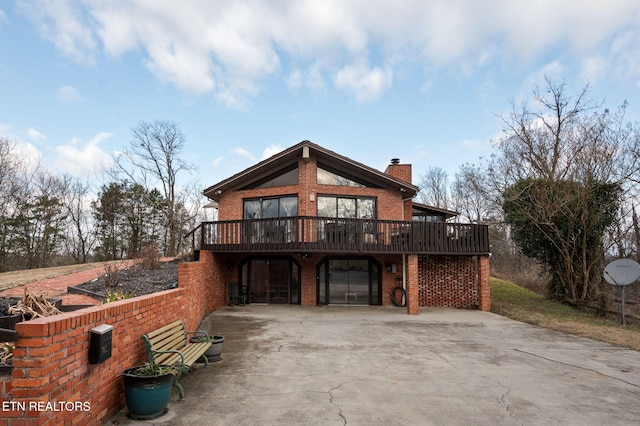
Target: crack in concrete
332,402
297,340
367,377
443,358
577,366
504,400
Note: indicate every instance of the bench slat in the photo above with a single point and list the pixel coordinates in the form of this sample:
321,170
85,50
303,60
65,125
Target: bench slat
173,337
169,327
176,341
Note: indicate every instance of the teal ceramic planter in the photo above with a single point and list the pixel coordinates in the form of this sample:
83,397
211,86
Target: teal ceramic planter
147,396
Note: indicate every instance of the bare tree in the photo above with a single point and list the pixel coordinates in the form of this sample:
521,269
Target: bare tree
81,235
434,188
470,196
560,171
151,160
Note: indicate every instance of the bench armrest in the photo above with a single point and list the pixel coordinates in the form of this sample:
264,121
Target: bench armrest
197,333
153,353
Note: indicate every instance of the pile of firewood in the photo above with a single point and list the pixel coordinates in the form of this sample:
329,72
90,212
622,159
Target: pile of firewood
32,306
6,353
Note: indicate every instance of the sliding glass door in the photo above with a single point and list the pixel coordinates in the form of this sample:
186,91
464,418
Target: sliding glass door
351,281
271,280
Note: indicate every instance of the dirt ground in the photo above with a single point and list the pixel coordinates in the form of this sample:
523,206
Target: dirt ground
27,276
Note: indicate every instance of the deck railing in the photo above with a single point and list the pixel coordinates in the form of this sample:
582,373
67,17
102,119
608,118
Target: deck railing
337,235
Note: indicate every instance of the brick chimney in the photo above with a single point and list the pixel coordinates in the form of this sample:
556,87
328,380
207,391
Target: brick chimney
399,171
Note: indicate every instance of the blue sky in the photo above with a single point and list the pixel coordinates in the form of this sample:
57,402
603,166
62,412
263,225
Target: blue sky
419,80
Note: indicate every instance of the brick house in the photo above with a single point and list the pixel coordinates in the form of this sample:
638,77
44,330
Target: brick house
309,226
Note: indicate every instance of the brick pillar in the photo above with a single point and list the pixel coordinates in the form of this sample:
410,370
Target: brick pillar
484,286
413,307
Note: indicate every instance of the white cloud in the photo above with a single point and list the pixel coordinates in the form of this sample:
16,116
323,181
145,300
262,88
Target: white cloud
364,83
83,158
229,48
270,151
553,71
68,95
592,69
217,161
310,78
241,152
35,135
65,25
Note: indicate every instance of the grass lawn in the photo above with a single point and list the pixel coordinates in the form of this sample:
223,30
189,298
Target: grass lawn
512,301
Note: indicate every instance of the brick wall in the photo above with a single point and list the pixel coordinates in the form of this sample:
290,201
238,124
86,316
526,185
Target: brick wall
400,171
449,281
388,205
413,287
484,276
51,357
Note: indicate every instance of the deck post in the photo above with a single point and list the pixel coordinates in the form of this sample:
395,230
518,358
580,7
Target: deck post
484,284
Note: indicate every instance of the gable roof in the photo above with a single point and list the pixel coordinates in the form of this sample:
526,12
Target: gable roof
291,155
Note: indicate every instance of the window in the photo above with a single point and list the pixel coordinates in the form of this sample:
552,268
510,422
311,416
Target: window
263,228
282,178
325,176
428,217
271,207
343,229
346,207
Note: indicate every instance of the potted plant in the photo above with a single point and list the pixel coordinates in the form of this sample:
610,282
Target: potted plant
147,389
214,352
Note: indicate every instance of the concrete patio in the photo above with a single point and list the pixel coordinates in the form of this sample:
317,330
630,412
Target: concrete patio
289,365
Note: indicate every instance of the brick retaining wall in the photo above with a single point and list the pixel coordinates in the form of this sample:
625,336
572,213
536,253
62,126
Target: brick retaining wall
51,356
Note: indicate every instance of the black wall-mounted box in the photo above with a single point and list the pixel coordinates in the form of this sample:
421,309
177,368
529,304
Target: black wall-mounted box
100,343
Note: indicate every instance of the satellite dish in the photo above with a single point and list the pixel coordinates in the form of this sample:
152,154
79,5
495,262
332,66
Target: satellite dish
622,272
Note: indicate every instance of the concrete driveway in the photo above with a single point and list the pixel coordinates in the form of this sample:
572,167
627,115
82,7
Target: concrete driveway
290,365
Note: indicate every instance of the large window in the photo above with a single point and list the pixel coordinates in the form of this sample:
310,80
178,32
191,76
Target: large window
263,228
327,177
271,207
347,207
339,227
281,178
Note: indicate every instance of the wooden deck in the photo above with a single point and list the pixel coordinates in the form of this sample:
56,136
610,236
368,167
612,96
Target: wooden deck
331,235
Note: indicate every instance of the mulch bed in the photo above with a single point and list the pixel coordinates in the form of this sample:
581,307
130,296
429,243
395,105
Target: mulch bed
136,280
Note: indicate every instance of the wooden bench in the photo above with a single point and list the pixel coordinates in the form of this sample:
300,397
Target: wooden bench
170,345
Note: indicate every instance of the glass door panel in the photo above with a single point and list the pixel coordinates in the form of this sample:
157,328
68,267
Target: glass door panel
348,281
279,281
271,280
338,280
358,292
259,281
295,284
